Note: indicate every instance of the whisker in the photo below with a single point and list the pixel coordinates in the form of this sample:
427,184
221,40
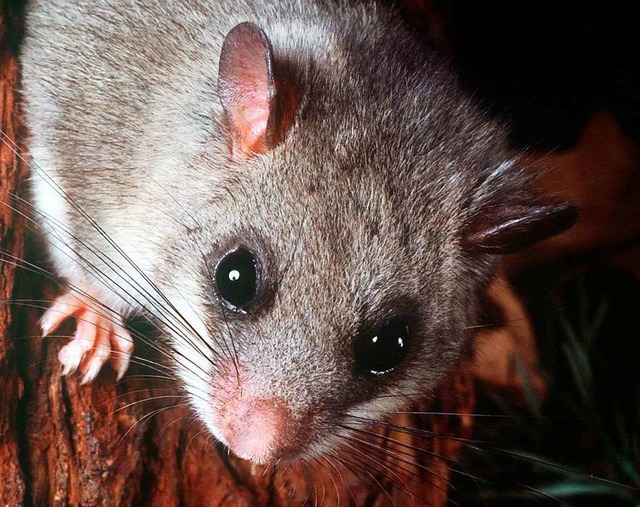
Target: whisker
233,355
149,399
107,238
144,418
396,455
371,476
330,469
400,472
95,302
483,446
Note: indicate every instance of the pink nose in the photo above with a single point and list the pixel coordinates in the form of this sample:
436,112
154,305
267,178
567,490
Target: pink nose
259,430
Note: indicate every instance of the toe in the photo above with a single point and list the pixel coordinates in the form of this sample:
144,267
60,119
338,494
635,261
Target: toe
83,341
99,354
122,346
63,307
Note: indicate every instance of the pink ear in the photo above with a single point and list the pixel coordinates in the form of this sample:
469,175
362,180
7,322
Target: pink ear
249,92
515,226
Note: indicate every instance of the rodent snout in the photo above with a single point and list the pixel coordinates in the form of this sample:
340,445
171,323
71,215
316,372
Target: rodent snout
260,430
259,427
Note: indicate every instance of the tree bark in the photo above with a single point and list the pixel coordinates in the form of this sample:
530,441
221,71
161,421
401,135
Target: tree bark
111,443
12,484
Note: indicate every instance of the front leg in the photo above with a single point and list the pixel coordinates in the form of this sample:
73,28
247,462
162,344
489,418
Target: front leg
100,336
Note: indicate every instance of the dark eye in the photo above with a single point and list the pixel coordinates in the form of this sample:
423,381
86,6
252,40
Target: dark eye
236,279
381,352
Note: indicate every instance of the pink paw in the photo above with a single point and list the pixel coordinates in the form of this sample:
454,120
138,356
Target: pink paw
100,336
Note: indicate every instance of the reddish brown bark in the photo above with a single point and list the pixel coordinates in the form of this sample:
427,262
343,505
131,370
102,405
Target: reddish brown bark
12,484
66,444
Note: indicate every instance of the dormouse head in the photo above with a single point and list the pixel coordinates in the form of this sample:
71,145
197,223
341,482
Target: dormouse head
363,206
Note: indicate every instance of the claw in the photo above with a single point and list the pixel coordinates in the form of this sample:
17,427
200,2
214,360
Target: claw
63,307
99,355
121,341
99,337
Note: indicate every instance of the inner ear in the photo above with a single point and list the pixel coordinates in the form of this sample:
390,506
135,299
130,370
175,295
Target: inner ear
512,227
251,96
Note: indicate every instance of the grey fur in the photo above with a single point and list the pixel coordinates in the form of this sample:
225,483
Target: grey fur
359,213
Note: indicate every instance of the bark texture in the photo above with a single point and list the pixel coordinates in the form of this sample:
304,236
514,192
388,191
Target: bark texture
111,443
12,483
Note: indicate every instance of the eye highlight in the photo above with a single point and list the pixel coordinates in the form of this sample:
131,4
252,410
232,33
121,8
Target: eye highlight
381,352
237,279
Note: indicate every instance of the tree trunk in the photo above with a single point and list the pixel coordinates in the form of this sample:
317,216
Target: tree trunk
12,484
111,443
